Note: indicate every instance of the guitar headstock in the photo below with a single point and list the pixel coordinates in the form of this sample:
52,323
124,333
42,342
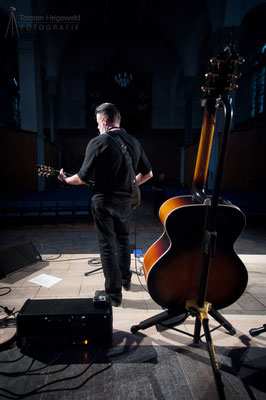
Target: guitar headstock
224,72
44,170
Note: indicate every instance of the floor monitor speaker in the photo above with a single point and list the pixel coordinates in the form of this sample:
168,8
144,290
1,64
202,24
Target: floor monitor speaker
17,257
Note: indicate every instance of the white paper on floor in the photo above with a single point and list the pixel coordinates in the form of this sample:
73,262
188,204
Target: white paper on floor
45,280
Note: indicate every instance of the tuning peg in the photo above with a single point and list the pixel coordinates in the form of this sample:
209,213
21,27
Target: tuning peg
210,75
235,75
207,89
239,60
216,61
231,88
213,60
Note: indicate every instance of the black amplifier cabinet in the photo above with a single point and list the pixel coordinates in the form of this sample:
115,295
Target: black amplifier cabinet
65,322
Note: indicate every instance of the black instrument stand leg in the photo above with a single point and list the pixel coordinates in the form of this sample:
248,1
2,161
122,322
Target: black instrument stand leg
214,363
201,314
159,318
257,331
91,272
219,318
150,322
197,331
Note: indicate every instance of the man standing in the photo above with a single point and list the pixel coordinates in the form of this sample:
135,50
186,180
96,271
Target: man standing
105,163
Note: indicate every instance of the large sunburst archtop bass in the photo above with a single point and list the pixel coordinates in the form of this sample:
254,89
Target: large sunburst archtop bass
172,265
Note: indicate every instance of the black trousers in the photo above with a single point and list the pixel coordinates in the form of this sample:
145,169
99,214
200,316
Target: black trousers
112,221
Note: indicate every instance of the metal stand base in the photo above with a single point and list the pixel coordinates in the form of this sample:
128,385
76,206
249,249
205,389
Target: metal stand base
170,318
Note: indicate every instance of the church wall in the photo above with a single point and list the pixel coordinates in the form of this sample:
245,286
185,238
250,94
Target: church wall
163,152
19,159
190,162
245,168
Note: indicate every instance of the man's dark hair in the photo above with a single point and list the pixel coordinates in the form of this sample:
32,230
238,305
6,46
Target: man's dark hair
108,110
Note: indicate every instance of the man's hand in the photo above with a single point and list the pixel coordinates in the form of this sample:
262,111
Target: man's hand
143,178
62,175
71,180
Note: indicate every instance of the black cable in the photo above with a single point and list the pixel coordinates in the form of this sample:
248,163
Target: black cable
4,321
55,259
65,259
7,320
51,259
33,372
7,288
7,311
12,361
5,345
94,261
18,396
135,245
38,391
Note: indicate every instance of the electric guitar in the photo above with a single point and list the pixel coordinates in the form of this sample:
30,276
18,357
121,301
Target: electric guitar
172,265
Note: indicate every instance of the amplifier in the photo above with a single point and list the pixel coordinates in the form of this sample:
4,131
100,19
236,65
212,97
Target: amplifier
65,322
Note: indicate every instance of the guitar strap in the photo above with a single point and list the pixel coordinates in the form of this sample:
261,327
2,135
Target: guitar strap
135,189
123,147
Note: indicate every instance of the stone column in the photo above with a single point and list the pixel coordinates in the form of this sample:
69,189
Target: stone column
31,94
182,166
52,95
190,83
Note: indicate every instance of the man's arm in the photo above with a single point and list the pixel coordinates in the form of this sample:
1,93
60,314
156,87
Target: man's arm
71,180
143,178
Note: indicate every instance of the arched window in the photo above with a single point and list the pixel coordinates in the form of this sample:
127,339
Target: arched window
16,102
257,82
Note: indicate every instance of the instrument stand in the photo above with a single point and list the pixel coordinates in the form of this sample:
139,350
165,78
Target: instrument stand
257,331
201,308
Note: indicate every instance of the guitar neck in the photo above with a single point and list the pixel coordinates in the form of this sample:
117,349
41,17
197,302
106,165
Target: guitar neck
58,172
204,151
46,171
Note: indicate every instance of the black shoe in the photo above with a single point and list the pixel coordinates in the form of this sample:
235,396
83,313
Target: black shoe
115,302
127,285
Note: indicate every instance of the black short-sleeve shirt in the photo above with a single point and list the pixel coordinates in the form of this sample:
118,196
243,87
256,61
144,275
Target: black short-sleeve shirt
105,164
